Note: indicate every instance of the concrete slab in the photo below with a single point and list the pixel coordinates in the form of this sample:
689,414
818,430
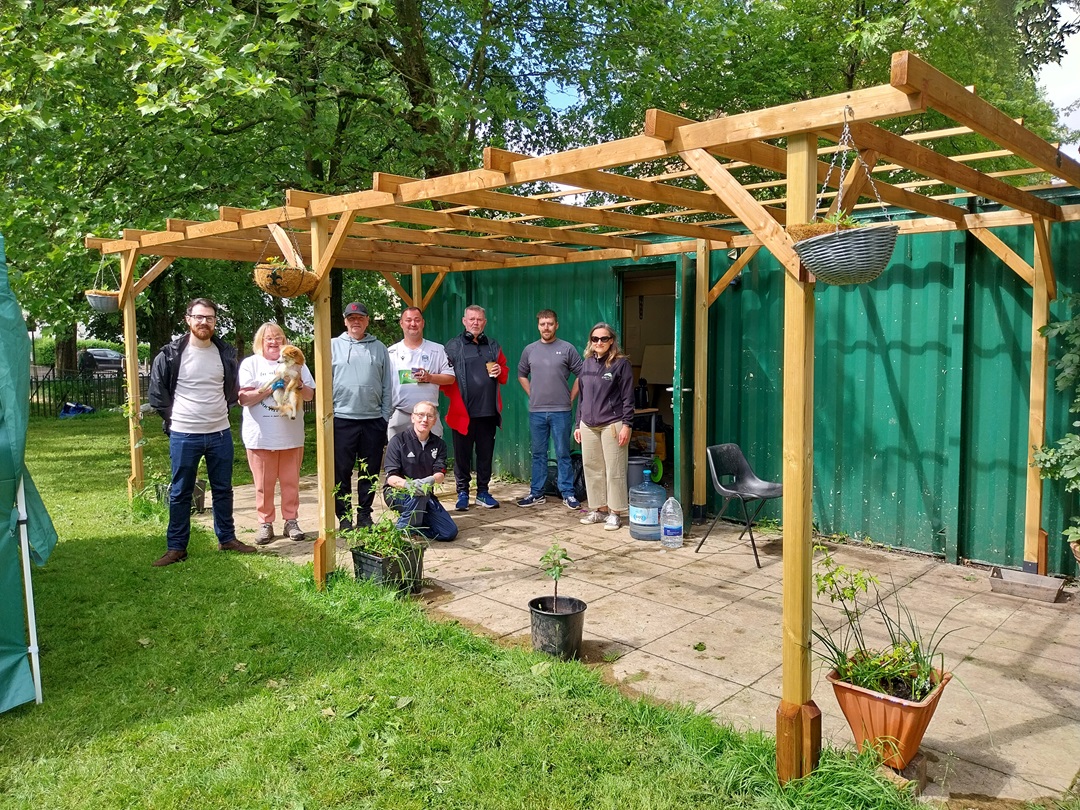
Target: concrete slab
705,629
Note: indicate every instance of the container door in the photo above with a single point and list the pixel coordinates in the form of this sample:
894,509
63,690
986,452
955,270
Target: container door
682,395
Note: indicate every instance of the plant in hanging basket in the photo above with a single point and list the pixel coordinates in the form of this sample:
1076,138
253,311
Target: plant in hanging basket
103,300
837,250
279,279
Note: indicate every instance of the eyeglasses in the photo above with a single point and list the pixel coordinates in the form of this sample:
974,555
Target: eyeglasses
430,417
203,318
601,339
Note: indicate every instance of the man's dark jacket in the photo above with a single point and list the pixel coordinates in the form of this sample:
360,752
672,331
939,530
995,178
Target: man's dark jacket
166,370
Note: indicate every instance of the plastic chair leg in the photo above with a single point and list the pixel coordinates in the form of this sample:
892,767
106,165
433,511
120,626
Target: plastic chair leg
750,527
711,525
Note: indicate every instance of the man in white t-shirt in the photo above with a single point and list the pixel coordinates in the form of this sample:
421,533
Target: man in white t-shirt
193,383
420,367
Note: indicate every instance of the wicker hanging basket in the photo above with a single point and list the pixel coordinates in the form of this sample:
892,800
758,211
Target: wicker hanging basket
103,300
846,256
283,281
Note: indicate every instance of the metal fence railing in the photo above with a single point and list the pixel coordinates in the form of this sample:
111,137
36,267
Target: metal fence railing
101,390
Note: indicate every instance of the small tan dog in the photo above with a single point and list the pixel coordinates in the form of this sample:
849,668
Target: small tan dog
285,383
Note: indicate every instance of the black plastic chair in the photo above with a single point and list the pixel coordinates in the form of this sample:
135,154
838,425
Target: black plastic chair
733,479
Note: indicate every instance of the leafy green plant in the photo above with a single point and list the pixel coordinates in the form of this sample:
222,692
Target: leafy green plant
554,563
841,219
1062,462
906,667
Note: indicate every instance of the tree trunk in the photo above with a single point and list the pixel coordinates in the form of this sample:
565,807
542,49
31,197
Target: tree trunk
67,361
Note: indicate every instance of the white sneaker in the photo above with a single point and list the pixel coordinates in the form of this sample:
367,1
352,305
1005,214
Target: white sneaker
292,530
612,523
594,517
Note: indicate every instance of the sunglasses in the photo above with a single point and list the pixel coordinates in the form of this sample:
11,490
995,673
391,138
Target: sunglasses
601,339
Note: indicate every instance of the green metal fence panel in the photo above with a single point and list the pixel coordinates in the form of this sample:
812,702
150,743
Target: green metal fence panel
921,384
581,295
997,362
887,396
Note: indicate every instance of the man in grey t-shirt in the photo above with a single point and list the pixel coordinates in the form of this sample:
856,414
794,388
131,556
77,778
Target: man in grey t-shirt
544,372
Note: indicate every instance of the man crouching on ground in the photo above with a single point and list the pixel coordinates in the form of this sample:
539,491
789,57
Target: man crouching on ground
415,465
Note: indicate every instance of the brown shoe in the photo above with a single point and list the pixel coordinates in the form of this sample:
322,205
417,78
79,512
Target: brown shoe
171,556
237,546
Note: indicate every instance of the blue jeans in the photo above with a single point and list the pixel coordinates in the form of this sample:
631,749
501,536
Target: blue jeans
556,425
185,451
433,522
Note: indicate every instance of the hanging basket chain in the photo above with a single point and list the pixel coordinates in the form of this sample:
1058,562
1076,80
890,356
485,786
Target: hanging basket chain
848,255
844,144
292,238
284,280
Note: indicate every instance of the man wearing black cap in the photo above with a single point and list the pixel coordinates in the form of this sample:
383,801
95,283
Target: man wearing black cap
363,401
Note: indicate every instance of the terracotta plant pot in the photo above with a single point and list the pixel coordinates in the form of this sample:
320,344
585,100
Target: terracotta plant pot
1075,546
893,725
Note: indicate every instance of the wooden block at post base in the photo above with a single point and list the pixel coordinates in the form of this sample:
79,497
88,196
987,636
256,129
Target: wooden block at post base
798,739
320,563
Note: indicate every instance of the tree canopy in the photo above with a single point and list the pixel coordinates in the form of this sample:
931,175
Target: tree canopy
126,113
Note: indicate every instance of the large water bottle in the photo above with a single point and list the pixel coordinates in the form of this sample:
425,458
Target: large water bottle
645,502
671,524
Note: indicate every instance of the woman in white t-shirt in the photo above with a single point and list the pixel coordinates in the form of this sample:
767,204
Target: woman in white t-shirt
274,442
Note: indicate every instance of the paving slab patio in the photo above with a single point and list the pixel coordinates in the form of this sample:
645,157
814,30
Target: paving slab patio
704,629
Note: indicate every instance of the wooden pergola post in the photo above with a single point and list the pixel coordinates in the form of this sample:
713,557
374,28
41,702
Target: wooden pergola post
1035,551
325,546
131,370
701,379
798,719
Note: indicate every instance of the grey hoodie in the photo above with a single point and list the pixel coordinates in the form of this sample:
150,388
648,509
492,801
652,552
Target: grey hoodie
363,385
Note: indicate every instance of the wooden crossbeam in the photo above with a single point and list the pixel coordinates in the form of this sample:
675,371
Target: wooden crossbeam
499,201
148,277
459,222
912,75
640,191
926,161
871,104
752,214
1009,256
736,268
666,125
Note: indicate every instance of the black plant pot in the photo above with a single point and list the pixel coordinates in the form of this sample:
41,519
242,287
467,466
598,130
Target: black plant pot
556,627
405,572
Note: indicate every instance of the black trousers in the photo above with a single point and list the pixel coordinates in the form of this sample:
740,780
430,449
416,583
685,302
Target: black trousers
481,438
363,441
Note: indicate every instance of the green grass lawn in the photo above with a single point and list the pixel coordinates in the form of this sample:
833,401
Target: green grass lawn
229,682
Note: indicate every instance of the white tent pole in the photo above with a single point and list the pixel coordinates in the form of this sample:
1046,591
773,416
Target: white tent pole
31,617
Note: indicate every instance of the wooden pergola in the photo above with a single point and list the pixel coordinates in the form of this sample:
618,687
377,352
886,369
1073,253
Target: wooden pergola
488,219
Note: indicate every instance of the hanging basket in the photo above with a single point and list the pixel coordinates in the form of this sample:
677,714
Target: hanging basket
283,281
847,256
103,300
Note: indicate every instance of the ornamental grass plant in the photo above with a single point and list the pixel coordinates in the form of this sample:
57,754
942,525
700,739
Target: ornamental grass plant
908,666
229,681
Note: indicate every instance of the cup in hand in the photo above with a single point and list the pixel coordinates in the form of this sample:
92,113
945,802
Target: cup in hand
493,369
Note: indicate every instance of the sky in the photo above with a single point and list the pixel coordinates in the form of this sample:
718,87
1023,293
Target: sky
1063,88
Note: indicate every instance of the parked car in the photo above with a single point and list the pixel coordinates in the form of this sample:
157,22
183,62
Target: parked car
107,359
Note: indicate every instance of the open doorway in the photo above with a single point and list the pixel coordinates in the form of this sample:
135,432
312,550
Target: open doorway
648,331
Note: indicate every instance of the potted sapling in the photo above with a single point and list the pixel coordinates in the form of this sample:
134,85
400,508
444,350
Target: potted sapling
557,621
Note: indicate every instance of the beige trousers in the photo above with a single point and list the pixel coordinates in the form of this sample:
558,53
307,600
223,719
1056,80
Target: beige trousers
605,467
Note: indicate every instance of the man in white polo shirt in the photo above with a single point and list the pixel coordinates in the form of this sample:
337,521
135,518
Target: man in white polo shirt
420,367
193,383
